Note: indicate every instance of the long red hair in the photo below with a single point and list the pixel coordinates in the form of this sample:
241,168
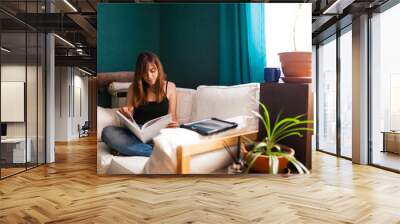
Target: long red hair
140,86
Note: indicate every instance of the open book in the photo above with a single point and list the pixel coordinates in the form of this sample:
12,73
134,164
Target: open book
149,130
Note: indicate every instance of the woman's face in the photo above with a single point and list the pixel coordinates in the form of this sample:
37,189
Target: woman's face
151,75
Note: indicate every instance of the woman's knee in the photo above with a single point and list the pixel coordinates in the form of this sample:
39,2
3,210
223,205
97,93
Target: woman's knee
109,133
105,133
125,142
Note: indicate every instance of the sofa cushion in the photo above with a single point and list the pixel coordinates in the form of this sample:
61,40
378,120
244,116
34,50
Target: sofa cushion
104,158
226,101
127,165
105,117
185,99
110,164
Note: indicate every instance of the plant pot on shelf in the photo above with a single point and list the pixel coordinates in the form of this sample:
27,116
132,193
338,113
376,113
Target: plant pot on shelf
296,63
261,165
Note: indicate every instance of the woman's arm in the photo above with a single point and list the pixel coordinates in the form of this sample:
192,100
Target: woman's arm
128,109
129,96
172,104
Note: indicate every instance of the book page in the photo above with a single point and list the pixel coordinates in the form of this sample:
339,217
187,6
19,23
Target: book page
131,125
151,122
149,130
154,126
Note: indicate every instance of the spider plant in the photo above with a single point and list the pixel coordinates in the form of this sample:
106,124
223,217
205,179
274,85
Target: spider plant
276,132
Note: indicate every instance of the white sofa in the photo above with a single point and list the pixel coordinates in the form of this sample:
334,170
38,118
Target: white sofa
233,103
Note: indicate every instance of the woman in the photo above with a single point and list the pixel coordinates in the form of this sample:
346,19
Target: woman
150,96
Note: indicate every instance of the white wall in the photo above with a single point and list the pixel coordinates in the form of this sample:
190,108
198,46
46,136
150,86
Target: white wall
34,125
80,98
15,72
70,83
62,81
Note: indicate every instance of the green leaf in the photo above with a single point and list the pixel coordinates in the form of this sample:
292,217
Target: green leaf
275,165
259,147
277,118
288,135
289,125
302,166
250,159
298,165
283,126
281,122
263,121
292,160
292,130
277,147
267,118
270,164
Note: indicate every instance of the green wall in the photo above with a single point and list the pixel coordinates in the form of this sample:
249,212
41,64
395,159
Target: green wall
125,30
189,43
185,36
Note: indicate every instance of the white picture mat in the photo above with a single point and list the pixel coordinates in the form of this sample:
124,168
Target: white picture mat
12,101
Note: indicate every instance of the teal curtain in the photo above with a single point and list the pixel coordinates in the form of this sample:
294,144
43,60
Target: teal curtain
242,43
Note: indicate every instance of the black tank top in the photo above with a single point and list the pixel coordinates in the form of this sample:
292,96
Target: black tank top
151,110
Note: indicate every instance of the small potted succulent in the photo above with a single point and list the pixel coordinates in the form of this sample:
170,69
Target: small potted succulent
268,156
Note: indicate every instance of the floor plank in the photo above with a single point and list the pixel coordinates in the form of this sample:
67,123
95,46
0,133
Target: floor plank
69,191
386,159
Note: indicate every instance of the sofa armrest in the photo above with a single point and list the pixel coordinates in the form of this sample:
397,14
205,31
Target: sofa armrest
185,153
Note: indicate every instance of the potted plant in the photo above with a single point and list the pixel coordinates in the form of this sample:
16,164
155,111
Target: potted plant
296,65
268,155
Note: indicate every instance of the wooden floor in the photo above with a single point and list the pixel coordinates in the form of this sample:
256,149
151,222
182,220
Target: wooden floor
5,172
386,159
10,171
69,191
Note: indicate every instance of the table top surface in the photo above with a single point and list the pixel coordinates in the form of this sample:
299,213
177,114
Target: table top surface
391,132
13,140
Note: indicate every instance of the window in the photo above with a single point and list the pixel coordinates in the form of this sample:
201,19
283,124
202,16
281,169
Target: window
385,88
346,94
327,96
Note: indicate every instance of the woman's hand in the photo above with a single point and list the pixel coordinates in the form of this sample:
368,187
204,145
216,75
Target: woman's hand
173,124
127,112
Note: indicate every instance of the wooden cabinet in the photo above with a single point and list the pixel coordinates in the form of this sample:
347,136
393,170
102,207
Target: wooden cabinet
291,99
391,141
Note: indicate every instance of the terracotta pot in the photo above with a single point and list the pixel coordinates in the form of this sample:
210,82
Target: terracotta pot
296,64
261,165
